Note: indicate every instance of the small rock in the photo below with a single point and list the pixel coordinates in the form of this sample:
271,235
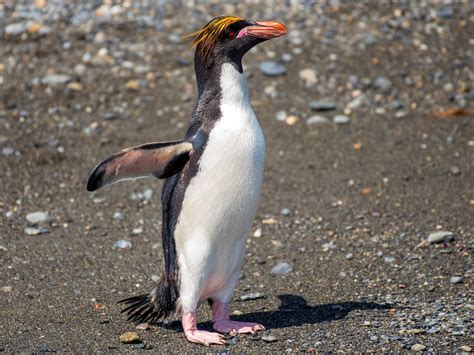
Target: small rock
286,57
75,86
322,105
8,151
56,79
317,120
109,116
418,347
330,245
291,120
389,259
129,338
16,29
271,68
383,84
285,211
133,85
118,216
466,348
143,326
349,256
282,269
445,12
269,338
147,194
258,233
281,116
440,237
36,231
309,77
359,101
454,170
252,296
122,244
456,280
137,231
37,217
6,289
341,119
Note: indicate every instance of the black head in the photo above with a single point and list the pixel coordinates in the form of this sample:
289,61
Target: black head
228,38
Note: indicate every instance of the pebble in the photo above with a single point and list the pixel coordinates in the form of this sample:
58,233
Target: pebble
252,296
56,79
309,77
445,12
16,29
8,151
456,280
322,105
143,326
291,120
271,68
281,116
286,57
440,237
317,120
330,245
129,338
383,84
282,268
418,347
359,101
349,256
269,338
285,211
137,231
454,170
389,259
466,348
122,244
118,216
37,217
341,119
36,231
258,233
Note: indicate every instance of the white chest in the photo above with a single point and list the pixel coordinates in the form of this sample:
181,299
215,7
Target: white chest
222,199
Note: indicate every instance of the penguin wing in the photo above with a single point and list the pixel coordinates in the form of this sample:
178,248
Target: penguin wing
160,160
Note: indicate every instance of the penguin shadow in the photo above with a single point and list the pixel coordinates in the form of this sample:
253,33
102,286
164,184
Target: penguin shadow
295,311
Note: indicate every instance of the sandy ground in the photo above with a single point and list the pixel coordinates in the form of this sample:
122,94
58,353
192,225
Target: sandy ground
348,206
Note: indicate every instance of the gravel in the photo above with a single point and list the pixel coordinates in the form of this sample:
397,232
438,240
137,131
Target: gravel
381,183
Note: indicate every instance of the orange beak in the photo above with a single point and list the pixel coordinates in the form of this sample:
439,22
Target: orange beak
264,29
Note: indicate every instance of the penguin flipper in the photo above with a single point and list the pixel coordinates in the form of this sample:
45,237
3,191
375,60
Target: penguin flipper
160,160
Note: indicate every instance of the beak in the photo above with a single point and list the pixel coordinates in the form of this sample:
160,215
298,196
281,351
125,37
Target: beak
264,30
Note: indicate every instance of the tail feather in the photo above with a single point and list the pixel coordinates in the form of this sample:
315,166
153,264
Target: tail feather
157,305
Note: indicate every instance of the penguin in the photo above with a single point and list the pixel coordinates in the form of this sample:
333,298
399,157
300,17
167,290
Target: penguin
213,179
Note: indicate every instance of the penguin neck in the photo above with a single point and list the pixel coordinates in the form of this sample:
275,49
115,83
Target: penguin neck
209,75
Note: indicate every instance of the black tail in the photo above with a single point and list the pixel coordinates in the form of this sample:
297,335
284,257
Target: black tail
151,308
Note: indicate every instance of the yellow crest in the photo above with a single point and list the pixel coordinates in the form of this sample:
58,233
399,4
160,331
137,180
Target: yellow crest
209,35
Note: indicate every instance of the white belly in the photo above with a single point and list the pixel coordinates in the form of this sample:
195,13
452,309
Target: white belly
220,202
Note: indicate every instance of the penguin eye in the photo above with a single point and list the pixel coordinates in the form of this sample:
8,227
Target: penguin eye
231,34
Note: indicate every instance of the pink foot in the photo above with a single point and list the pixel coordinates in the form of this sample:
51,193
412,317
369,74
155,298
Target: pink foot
223,324
199,336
